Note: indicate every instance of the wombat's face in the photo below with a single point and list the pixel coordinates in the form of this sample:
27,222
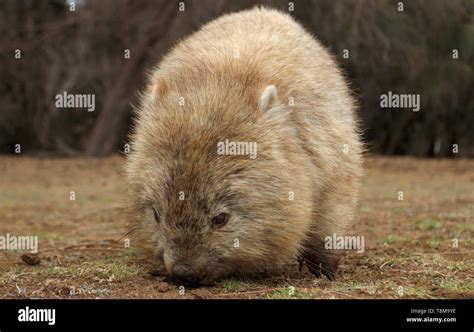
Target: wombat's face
233,218
198,241
209,214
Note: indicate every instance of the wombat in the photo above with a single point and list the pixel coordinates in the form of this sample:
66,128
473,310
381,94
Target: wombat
205,206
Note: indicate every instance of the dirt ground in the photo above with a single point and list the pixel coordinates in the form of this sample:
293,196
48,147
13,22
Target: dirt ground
418,247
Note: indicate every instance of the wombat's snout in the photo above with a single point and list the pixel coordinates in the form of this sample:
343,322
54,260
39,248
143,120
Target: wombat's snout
185,274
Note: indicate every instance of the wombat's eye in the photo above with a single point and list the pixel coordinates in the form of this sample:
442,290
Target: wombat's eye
220,220
156,214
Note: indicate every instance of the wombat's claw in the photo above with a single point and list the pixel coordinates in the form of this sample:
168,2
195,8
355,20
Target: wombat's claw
314,268
331,275
301,263
328,268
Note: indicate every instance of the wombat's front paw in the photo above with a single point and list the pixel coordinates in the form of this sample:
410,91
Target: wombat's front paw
318,265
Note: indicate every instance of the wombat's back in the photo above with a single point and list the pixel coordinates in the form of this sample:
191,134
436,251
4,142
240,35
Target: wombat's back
264,46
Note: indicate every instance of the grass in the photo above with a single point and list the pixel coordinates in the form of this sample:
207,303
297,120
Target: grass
457,285
231,285
107,270
398,210
110,269
289,292
366,209
429,224
391,239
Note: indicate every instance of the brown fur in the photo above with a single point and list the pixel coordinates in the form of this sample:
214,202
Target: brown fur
300,149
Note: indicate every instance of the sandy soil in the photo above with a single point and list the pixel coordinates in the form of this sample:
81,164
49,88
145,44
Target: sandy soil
419,247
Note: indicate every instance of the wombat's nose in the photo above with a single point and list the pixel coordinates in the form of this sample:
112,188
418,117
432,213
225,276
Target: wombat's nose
185,274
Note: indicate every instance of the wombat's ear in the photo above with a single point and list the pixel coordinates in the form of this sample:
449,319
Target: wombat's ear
158,90
268,98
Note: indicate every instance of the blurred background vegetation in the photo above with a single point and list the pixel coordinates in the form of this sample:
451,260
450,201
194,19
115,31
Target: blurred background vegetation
82,51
